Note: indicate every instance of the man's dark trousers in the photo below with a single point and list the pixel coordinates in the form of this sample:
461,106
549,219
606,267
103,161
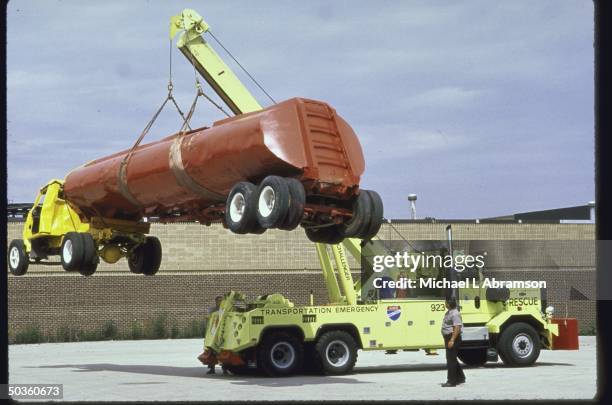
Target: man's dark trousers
454,372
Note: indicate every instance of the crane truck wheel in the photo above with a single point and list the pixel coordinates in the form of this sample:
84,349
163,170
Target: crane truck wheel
297,201
331,235
336,352
241,208
72,251
519,345
18,258
376,215
146,258
280,354
273,199
90,255
473,357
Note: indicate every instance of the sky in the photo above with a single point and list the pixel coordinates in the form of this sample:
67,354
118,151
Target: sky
480,108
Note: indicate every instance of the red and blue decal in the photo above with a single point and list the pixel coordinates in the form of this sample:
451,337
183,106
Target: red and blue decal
394,312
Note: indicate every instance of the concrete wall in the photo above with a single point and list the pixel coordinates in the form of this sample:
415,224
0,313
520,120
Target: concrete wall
200,262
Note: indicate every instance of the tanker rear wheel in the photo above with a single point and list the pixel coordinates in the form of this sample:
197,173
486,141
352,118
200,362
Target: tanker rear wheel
18,258
375,217
297,201
331,235
146,258
241,209
273,199
362,214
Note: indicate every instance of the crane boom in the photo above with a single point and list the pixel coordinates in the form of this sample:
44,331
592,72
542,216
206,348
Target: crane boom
340,285
209,64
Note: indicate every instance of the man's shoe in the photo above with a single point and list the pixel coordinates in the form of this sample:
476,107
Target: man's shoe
447,384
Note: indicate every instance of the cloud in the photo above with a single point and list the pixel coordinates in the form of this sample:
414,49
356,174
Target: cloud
441,97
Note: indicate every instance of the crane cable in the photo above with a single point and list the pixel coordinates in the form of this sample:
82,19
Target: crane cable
169,97
186,119
241,67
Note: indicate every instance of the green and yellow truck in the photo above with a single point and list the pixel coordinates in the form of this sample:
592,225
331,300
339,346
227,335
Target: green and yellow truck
272,335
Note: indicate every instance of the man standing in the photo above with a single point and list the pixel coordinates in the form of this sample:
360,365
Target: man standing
211,310
451,331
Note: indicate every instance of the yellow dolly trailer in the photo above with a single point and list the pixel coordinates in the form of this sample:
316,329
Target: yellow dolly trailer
53,228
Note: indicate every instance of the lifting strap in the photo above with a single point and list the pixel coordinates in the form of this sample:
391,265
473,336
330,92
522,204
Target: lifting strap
176,161
122,178
122,175
176,158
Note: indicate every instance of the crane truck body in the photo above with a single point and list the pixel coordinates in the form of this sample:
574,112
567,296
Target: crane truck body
273,336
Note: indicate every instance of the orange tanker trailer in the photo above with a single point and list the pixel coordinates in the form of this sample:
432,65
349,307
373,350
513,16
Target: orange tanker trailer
295,163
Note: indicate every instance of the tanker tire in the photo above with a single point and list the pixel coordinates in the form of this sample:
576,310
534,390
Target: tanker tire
375,219
272,202
18,259
241,209
258,229
519,345
330,235
296,205
335,353
362,213
280,354
72,251
90,255
146,258
473,357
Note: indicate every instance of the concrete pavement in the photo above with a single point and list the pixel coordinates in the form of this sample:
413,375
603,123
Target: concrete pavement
155,370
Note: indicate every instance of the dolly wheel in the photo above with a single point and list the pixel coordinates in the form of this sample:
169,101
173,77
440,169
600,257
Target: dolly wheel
146,258
90,255
18,258
72,251
273,198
